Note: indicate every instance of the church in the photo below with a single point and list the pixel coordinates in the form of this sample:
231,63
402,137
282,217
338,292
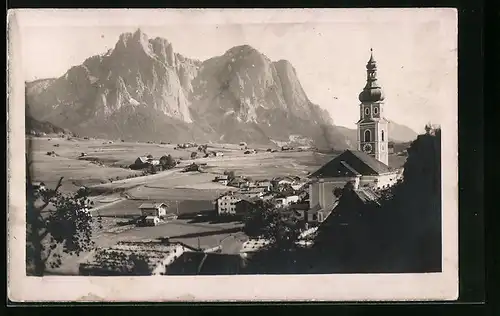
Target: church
367,167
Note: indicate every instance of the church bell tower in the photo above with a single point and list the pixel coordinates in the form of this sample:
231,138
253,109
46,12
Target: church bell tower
373,127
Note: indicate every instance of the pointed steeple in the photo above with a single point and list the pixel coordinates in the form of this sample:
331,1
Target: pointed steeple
372,92
372,64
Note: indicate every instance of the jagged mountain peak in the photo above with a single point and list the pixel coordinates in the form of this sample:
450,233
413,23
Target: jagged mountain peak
143,89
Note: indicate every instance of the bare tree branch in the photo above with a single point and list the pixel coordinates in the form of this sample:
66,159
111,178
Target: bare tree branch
58,184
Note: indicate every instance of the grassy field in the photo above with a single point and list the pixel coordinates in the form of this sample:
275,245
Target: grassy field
112,157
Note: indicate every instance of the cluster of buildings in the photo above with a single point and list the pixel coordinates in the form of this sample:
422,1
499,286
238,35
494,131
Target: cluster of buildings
282,192
186,145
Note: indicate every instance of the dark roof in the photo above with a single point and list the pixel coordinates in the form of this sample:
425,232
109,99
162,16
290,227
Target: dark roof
152,205
249,199
299,206
200,263
366,195
352,163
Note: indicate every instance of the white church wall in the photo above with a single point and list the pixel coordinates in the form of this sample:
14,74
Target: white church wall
321,192
380,181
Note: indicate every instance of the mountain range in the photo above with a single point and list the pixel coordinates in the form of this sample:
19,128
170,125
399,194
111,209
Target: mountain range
143,90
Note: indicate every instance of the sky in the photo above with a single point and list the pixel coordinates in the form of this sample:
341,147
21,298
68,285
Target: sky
415,49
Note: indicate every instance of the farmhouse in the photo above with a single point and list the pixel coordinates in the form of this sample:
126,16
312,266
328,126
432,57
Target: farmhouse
350,166
134,258
228,203
245,205
253,192
266,185
153,209
238,182
141,162
192,167
224,179
284,200
281,181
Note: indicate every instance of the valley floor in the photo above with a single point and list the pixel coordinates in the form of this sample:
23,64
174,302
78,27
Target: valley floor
118,190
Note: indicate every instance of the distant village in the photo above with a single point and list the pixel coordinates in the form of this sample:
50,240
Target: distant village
309,200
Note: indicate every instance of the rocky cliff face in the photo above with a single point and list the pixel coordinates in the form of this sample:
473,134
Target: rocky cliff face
141,89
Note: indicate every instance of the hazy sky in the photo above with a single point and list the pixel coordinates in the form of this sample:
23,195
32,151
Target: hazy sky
415,49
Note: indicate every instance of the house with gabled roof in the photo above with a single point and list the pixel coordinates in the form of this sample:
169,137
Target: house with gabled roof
353,166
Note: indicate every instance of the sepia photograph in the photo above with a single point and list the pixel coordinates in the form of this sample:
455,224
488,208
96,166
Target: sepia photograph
262,154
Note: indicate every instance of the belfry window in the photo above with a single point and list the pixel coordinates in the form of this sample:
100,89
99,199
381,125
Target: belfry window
375,110
367,136
382,135
367,111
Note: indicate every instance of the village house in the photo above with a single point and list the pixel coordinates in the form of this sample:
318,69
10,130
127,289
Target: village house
152,258
156,212
252,192
223,179
285,200
144,162
266,185
246,205
228,203
239,182
153,209
140,162
283,181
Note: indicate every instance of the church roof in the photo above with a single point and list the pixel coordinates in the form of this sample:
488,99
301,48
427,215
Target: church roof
351,163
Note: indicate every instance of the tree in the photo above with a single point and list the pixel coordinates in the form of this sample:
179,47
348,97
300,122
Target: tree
282,230
55,224
194,154
230,174
153,169
167,162
280,227
120,263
